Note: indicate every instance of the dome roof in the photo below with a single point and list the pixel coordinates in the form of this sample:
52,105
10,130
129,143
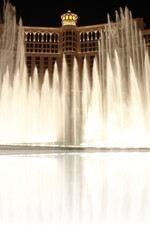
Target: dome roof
69,18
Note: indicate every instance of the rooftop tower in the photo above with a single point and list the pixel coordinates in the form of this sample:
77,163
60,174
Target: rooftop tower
69,18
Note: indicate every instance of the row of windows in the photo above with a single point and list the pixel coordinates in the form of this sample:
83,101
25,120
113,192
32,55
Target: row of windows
89,47
90,36
41,63
71,38
70,45
53,48
69,33
30,59
41,37
50,48
47,37
69,49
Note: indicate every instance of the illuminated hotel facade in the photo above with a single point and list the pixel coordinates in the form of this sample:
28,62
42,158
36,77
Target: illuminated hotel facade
46,45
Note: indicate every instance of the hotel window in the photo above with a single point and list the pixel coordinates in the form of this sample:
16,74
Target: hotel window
92,47
45,63
98,35
38,47
84,47
54,48
91,63
38,37
54,59
29,63
69,62
30,37
29,47
54,37
37,63
46,37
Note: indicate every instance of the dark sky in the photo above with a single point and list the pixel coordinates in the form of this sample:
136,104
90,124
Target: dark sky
47,13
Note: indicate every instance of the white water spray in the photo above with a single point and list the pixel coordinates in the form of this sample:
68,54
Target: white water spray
110,109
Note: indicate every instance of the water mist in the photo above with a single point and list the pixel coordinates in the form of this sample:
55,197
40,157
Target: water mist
110,109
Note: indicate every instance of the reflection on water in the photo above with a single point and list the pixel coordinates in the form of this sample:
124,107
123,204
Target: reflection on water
80,188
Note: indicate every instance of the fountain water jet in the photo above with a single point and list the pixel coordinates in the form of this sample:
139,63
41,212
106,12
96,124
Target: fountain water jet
109,109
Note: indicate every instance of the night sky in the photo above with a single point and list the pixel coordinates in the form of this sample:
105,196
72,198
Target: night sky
46,13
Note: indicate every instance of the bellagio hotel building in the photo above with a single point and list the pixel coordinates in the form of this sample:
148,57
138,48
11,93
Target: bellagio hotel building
46,45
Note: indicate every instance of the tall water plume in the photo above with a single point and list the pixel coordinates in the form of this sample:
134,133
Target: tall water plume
123,80
111,108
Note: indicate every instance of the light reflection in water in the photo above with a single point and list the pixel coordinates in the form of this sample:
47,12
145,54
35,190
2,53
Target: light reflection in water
75,188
